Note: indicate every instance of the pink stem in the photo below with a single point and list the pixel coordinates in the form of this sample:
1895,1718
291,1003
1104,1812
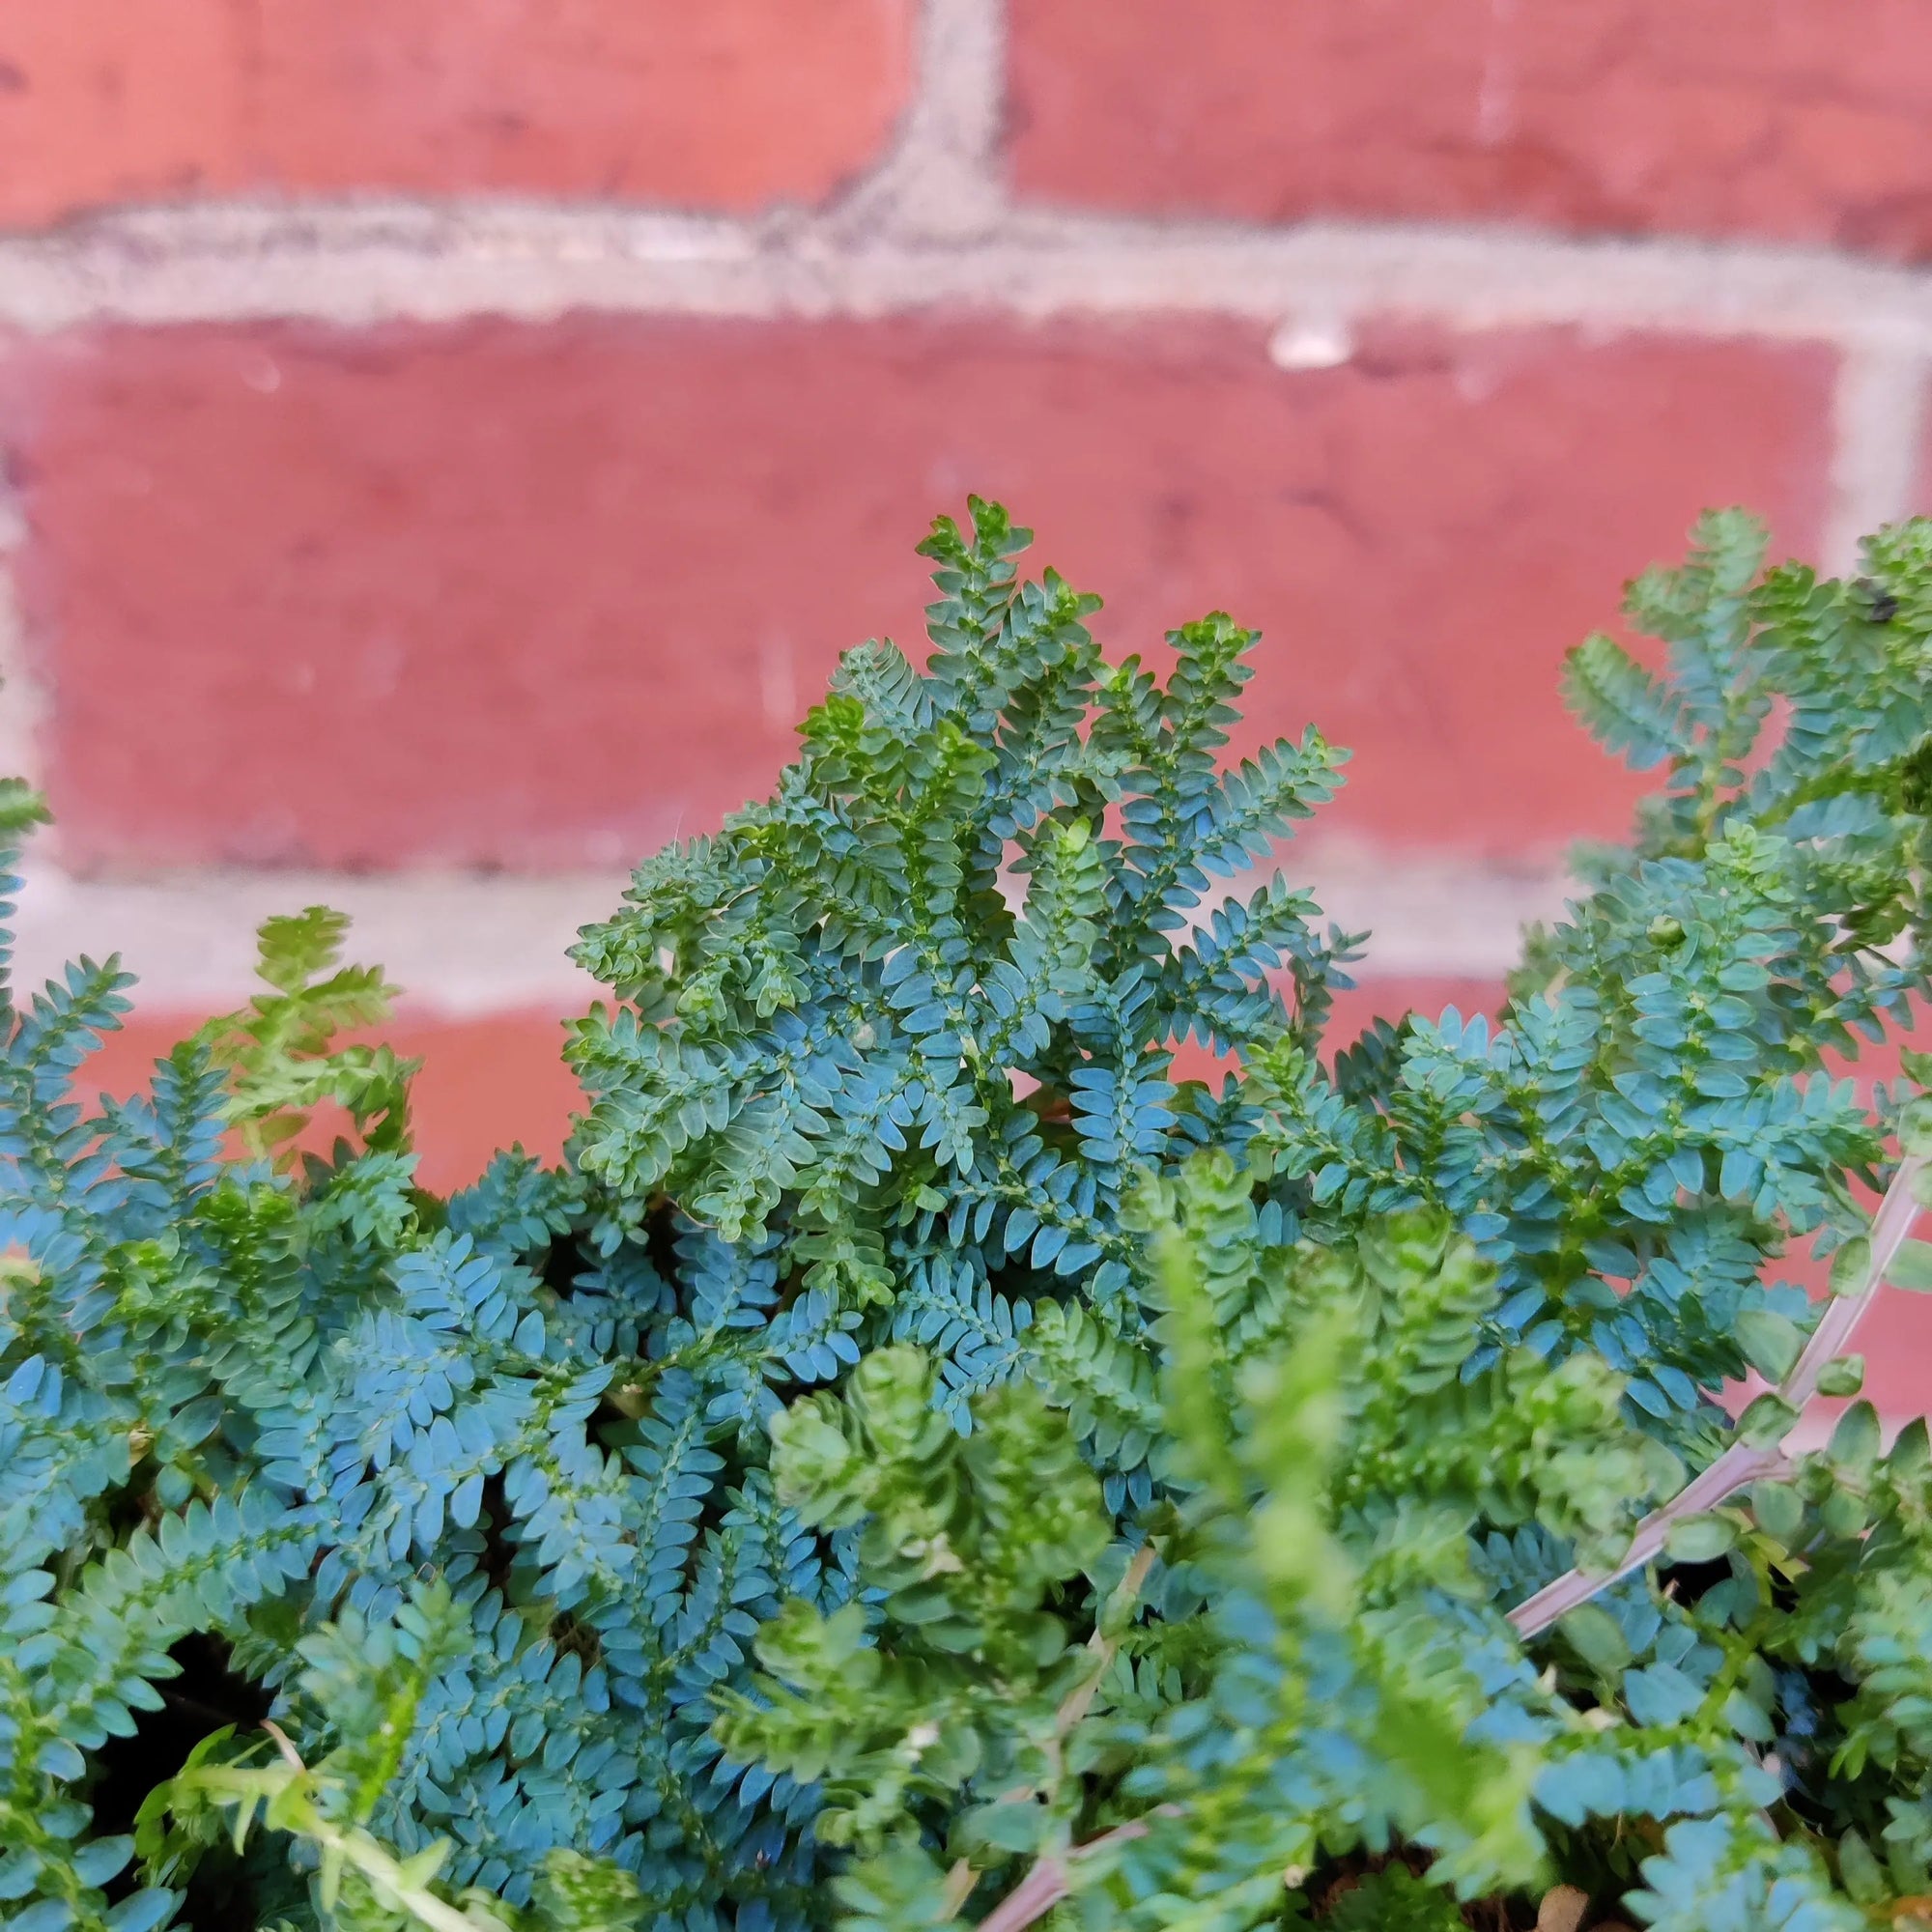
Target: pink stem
1046,1884
1740,1463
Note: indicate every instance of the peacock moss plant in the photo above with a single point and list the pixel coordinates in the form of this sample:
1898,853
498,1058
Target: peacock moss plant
919,1461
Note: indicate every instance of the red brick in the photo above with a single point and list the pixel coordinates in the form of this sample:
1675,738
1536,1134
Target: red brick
485,1084
528,595
727,104
106,101
1788,119
1359,1007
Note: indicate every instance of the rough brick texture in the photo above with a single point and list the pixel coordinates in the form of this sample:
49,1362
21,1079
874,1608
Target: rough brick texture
723,104
536,594
1802,120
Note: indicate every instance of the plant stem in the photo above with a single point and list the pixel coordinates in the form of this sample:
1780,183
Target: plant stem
958,1885
1047,1883
289,1789
1740,1462
392,1885
1118,1607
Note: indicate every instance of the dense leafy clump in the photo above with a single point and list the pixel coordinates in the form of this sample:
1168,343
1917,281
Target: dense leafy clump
913,1020
919,1461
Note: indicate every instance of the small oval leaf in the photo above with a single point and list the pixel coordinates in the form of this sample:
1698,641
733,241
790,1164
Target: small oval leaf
1699,1539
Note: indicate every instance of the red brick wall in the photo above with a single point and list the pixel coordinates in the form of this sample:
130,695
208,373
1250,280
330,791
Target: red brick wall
1789,120
445,446
728,105
488,593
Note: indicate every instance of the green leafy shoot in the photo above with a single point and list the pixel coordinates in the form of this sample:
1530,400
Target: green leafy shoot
279,1052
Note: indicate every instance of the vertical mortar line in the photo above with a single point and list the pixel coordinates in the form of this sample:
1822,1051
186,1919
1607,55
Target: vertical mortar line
942,180
1878,413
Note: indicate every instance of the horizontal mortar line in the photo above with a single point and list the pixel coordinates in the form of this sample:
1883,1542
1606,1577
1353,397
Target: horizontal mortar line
465,946
366,261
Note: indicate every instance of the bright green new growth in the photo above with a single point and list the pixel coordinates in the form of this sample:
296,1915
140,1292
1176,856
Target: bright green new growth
920,1463
277,1053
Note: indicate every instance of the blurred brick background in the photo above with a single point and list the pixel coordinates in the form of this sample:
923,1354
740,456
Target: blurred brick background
447,442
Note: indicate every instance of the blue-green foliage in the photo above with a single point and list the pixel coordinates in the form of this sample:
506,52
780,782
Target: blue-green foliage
1301,1656
1157,1463
1326,1667
1640,1134
243,1401
913,1018
304,1397
1646,1124
239,1402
